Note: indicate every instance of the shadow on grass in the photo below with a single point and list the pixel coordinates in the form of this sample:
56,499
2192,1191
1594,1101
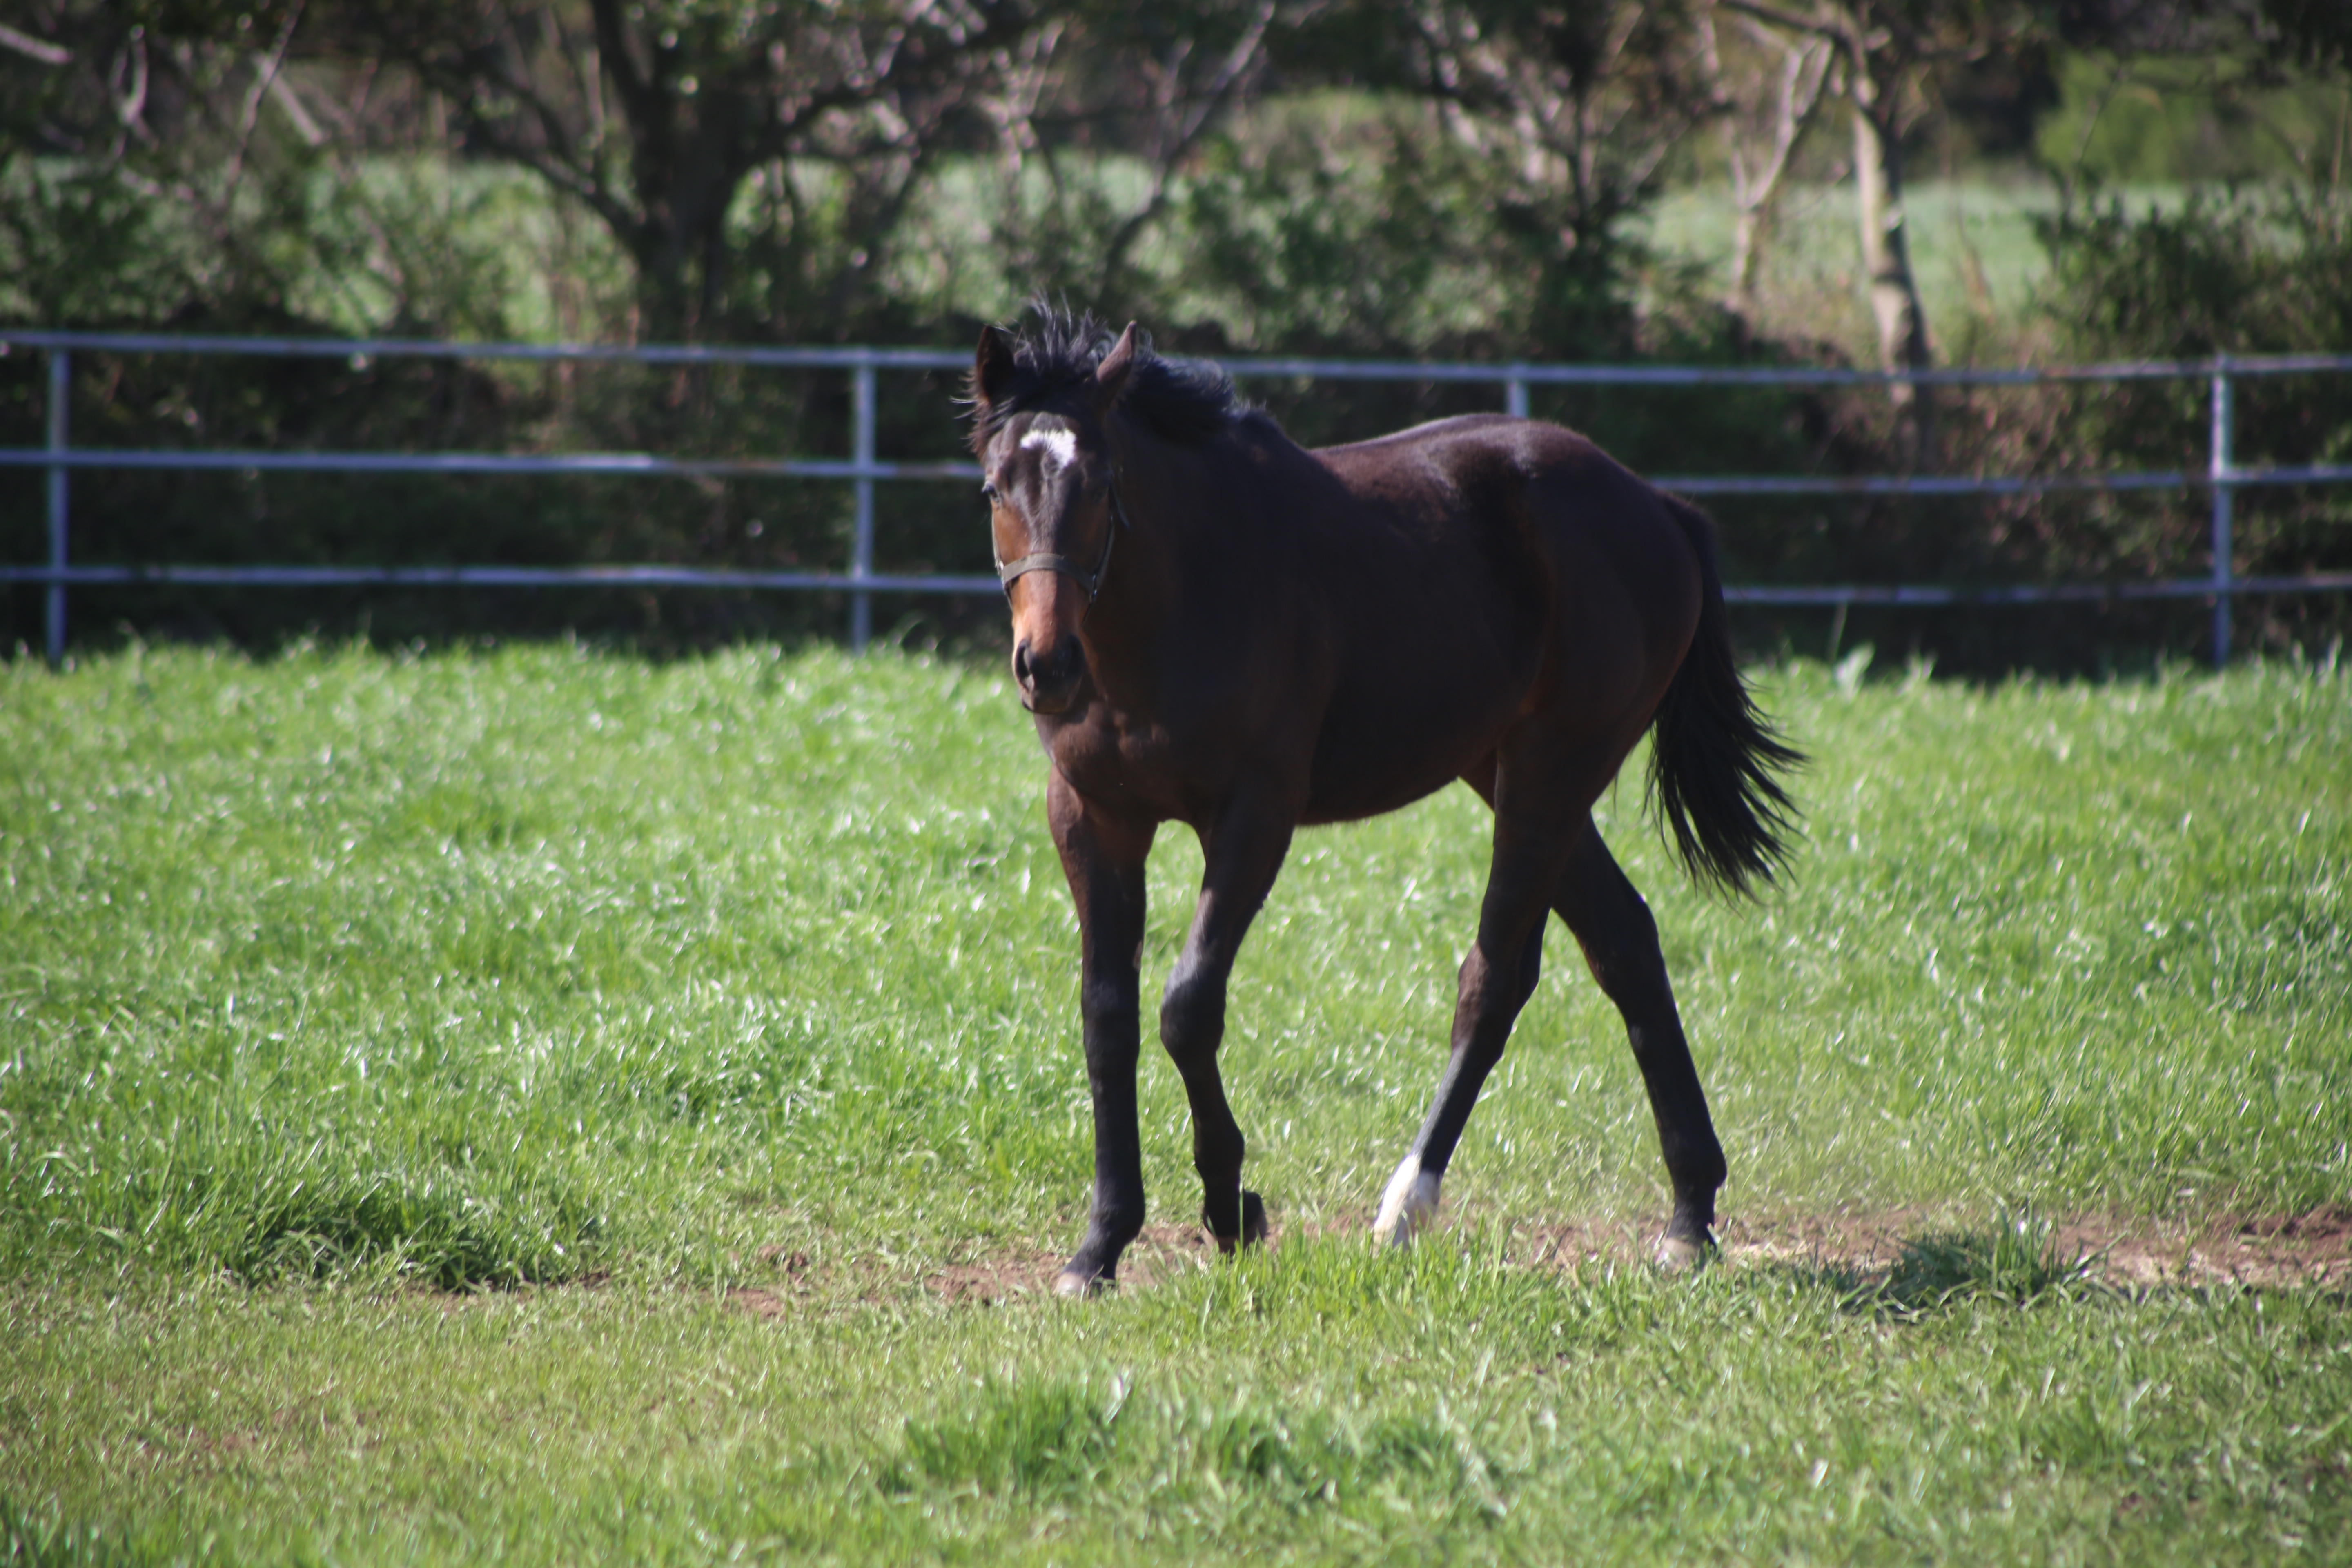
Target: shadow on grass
429,1230
2017,1258
1055,1439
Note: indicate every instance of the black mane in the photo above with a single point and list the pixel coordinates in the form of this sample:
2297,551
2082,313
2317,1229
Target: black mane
1187,401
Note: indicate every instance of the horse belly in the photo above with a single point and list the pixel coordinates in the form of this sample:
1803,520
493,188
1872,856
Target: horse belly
1428,681
1377,754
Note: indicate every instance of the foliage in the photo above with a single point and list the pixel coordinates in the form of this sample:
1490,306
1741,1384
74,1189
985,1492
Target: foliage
2140,117
1577,108
1295,241
654,118
2257,271
2262,271
1465,179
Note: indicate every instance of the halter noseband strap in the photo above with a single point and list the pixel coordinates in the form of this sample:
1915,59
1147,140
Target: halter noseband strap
1006,570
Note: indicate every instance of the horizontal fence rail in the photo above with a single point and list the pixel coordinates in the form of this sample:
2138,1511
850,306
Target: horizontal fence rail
57,458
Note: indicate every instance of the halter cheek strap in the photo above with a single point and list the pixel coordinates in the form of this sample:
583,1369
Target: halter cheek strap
1007,571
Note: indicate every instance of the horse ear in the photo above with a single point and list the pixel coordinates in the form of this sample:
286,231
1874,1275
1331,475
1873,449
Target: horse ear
991,372
1110,375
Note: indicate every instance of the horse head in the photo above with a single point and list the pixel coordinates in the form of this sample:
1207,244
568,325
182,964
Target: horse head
1049,474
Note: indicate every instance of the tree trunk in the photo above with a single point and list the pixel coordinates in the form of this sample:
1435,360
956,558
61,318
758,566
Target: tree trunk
1887,262
1758,142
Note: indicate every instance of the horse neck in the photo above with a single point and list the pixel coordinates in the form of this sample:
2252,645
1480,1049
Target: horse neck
1156,478
1161,489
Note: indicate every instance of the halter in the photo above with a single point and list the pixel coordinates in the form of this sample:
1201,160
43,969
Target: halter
1006,570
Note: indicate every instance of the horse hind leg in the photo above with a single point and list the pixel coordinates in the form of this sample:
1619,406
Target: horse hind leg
1409,1203
1620,940
1498,977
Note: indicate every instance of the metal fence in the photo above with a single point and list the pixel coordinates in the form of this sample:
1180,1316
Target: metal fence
862,469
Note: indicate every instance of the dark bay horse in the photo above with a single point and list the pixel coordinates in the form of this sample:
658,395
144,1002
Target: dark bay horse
1215,626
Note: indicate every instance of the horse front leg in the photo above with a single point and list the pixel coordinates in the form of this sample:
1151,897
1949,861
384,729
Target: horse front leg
1103,857
1242,852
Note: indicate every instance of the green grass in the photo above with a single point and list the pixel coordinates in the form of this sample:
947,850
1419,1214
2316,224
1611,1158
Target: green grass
1322,1402
1982,272
598,989
1980,269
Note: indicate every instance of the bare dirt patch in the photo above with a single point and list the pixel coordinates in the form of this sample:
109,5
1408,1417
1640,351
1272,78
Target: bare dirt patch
1162,1253
1025,1269
2313,1249
2270,1251
1004,1271
759,1302
775,1301
2266,1252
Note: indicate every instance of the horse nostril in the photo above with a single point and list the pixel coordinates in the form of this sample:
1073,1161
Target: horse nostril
1023,671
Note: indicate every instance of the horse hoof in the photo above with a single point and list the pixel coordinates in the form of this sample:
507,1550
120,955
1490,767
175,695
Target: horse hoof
1408,1206
1681,1255
1073,1285
1253,1225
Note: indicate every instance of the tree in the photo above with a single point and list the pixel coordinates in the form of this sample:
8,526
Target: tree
1576,111
1768,85
1587,101
1878,53
1189,86
133,136
1883,58
1150,84
656,116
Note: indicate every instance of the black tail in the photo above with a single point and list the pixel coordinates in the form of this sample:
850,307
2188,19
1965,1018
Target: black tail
1712,755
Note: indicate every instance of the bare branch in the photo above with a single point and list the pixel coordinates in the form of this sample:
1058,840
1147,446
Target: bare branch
282,92
1821,23
48,54
249,116
131,106
1171,150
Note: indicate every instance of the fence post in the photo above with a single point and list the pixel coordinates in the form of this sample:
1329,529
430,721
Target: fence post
2224,399
861,541
53,620
1515,393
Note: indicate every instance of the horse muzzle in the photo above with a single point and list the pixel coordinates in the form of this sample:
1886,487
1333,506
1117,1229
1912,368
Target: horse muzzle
1049,682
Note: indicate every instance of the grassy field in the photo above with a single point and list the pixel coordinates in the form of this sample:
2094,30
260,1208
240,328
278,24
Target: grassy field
538,1106
1979,264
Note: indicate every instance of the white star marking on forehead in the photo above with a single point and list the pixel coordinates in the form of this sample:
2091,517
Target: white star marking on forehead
1059,445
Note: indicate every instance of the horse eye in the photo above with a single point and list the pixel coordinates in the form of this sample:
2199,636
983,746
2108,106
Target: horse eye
988,493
